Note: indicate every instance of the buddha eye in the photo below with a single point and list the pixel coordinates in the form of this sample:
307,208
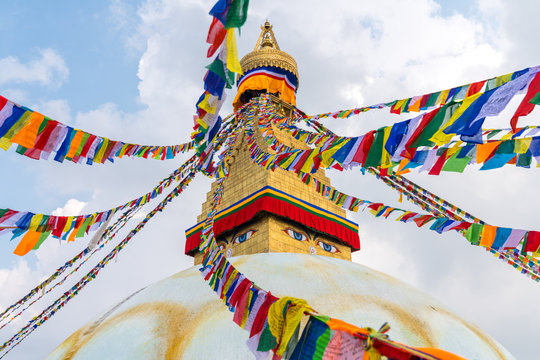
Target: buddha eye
327,247
221,247
296,235
238,239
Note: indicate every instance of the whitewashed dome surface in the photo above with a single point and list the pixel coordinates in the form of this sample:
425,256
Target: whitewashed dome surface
180,317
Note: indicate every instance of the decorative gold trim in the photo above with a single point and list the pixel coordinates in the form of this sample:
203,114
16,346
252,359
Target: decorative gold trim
267,53
269,57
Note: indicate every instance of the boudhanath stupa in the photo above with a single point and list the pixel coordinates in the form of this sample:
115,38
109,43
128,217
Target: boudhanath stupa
290,241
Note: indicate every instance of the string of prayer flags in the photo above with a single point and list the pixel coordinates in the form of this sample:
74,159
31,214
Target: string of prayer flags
402,147
416,194
36,228
439,98
39,137
477,234
274,323
403,185
487,236
47,286
226,16
59,303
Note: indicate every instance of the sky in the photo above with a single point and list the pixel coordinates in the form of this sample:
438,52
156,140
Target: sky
132,71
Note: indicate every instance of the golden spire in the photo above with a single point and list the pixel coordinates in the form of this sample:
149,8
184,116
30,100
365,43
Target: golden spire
267,53
267,37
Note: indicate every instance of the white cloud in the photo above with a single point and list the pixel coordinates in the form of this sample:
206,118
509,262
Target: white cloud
73,207
49,69
58,110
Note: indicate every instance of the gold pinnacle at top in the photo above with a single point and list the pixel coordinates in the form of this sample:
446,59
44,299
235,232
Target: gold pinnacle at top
267,53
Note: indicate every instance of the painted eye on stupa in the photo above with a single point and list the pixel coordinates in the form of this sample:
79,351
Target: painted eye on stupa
238,239
327,247
221,247
296,235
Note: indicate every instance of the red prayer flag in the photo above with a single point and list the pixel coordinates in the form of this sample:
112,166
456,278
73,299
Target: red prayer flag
474,88
407,216
3,102
532,243
422,220
436,169
86,146
215,37
363,149
424,101
60,223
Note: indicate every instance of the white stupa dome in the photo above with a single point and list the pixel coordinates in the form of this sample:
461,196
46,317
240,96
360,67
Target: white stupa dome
182,318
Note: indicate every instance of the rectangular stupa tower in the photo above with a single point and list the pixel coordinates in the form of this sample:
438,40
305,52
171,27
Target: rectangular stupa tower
272,211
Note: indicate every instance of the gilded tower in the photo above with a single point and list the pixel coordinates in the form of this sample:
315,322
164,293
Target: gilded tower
273,211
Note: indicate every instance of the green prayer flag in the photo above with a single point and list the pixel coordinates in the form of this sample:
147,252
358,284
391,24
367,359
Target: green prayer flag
219,69
322,344
237,14
3,212
41,239
267,341
473,233
440,118
432,100
506,147
456,164
524,160
83,228
375,152
21,149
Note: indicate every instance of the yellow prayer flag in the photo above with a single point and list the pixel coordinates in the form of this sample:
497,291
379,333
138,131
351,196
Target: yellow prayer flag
441,100
326,155
123,150
101,152
309,162
399,104
233,64
281,325
68,224
288,162
386,161
522,145
209,103
229,283
503,79
454,149
34,223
